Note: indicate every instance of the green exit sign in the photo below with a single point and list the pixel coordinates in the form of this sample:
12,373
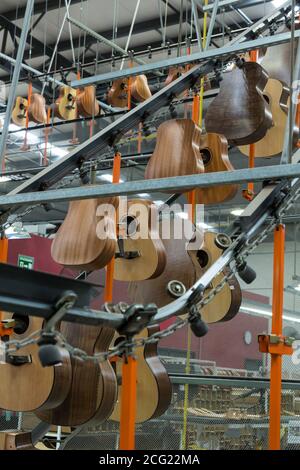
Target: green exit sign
26,262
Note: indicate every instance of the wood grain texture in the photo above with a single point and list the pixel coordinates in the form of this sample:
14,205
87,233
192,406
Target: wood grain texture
240,111
177,150
117,95
214,152
77,244
93,390
87,104
154,389
65,106
30,386
183,265
18,115
37,109
277,94
139,87
16,440
152,256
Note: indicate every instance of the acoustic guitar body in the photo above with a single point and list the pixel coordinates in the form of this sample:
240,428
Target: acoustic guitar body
87,104
93,390
240,111
174,73
277,95
153,387
139,88
77,244
177,150
141,237
18,115
65,106
29,386
117,95
186,263
37,109
214,152
16,440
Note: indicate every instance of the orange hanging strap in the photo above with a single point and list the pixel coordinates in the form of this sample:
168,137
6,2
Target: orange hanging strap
128,404
249,192
47,137
108,292
27,114
3,257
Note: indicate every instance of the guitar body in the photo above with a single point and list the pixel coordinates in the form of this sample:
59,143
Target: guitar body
117,95
93,390
140,90
87,103
277,95
37,109
174,73
18,115
177,150
153,387
240,111
143,238
65,106
214,152
186,263
30,386
16,440
76,244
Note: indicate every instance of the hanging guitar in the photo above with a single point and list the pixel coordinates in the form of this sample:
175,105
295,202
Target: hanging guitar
277,95
87,104
214,152
140,254
65,106
139,89
25,385
240,111
18,115
188,258
177,150
37,109
153,387
78,243
117,95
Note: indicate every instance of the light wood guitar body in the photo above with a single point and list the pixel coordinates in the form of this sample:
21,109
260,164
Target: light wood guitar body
65,106
18,115
140,90
87,103
37,109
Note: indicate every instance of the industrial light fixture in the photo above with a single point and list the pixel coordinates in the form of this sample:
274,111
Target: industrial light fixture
237,212
267,313
278,3
4,179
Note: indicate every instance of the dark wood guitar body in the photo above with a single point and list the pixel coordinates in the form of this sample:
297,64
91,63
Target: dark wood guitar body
93,390
240,111
117,95
214,152
76,244
177,150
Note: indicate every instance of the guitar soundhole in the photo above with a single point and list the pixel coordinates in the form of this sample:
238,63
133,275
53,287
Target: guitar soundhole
267,98
22,324
131,226
206,156
202,258
22,106
70,97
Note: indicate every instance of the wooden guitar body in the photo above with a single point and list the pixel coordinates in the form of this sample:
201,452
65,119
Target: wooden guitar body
16,440
37,109
87,103
77,244
186,263
214,152
18,115
240,111
93,390
29,386
65,106
117,95
140,90
177,150
142,238
154,389
277,95
174,73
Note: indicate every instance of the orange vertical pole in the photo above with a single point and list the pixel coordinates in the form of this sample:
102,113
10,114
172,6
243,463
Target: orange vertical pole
276,359
3,257
109,278
128,404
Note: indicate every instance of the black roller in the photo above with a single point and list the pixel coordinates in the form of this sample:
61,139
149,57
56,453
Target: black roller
246,273
198,327
49,355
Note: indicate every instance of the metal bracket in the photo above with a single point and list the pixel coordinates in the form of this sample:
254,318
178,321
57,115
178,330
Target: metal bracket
275,344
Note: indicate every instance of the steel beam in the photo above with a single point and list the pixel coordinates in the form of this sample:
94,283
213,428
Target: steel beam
180,183
15,78
223,52
236,382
